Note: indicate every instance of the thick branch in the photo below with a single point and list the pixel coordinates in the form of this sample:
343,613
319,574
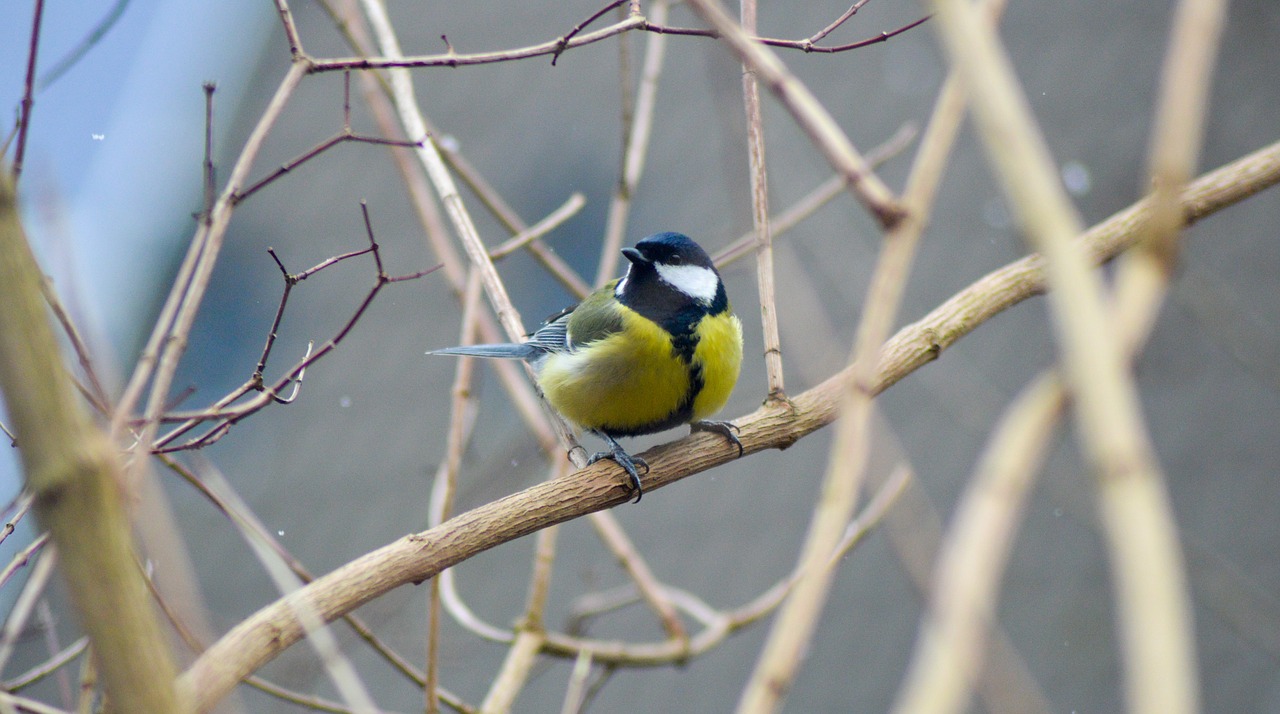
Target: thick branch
72,471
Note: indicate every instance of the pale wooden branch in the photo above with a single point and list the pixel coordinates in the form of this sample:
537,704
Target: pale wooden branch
461,405
71,469
406,106
952,641
1143,275
914,530
527,642
633,563
515,670
414,558
1153,604
32,591
760,210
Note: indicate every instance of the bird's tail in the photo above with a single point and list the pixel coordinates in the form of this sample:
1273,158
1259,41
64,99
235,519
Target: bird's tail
504,351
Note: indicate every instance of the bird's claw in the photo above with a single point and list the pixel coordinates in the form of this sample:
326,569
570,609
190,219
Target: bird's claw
628,464
727,429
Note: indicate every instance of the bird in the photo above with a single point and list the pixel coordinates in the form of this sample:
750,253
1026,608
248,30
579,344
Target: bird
647,352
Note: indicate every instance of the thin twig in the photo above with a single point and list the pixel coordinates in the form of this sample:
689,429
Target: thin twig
760,212
513,378
575,694
169,336
549,223
223,410
633,563
634,150
77,53
817,36
44,669
95,393
809,113
23,557
20,612
290,29
342,137
28,92
558,46
20,505
498,207
461,405
564,41
809,204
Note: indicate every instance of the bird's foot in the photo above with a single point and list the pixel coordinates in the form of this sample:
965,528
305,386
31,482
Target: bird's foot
727,429
625,460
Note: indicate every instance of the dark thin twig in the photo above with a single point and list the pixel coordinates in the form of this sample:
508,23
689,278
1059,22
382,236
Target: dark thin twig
95,36
28,92
177,399
373,243
804,45
576,38
209,178
315,151
563,43
226,415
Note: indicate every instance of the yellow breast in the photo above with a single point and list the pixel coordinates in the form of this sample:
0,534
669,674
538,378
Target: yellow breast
719,352
636,385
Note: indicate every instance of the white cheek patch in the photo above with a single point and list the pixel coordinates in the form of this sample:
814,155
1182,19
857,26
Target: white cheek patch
695,281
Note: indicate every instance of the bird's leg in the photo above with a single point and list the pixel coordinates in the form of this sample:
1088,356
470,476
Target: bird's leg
727,429
625,460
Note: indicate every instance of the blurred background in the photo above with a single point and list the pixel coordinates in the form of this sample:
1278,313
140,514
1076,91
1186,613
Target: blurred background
113,178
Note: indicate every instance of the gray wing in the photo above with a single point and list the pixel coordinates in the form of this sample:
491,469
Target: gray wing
553,335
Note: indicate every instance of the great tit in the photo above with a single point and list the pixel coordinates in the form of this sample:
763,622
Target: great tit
655,349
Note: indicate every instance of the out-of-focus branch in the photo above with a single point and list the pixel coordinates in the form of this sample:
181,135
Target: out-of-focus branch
1152,602
71,469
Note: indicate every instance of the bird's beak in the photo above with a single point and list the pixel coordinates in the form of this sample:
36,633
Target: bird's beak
634,256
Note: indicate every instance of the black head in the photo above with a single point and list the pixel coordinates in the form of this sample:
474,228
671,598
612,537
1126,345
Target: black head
671,280
670,249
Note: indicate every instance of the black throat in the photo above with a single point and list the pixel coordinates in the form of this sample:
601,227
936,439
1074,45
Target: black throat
674,311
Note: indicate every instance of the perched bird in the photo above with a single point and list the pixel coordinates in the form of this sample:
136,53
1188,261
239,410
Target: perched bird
655,349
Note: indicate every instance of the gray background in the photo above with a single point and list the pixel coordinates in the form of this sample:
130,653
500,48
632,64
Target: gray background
347,468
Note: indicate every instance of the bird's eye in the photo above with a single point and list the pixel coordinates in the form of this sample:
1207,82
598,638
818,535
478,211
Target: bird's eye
674,260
